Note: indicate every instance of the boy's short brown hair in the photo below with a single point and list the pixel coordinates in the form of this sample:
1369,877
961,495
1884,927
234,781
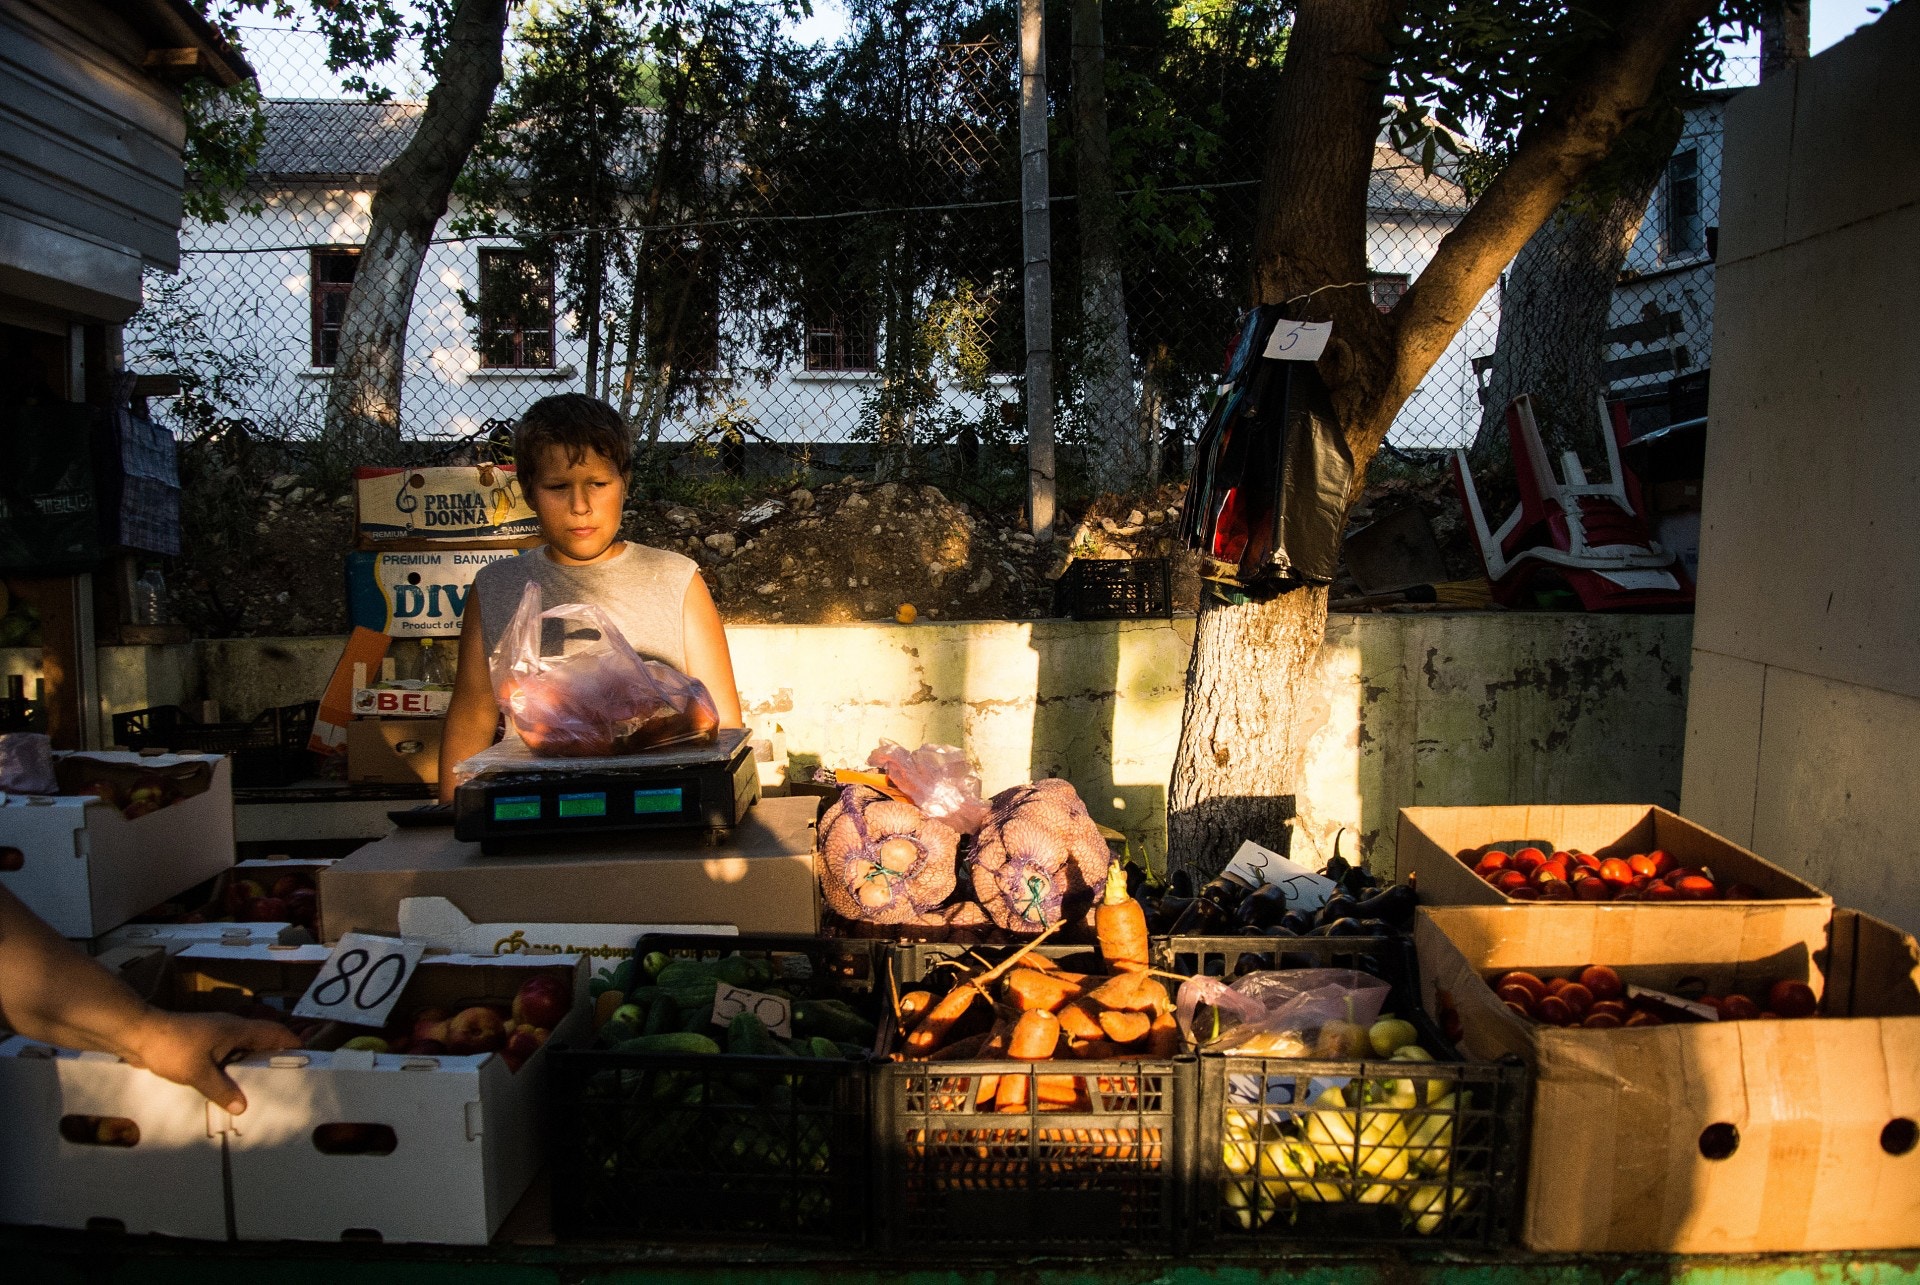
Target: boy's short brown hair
577,424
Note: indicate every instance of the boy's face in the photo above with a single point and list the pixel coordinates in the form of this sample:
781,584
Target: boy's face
579,504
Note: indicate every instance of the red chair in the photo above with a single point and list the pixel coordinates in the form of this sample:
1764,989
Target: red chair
1590,537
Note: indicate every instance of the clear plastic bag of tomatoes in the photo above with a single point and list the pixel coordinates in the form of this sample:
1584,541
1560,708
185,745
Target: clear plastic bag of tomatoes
599,699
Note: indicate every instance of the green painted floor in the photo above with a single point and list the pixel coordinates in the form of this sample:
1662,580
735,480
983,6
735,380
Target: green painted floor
60,1258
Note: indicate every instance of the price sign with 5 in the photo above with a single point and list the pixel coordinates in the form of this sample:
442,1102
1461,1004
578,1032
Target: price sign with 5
362,980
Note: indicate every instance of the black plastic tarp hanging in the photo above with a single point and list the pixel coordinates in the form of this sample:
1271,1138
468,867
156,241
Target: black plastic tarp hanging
1271,469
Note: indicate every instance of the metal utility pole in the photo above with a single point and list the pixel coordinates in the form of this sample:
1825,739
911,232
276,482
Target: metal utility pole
1037,241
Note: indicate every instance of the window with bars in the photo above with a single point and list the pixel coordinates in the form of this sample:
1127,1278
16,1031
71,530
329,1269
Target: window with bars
1683,226
1387,288
516,310
330,277
841,342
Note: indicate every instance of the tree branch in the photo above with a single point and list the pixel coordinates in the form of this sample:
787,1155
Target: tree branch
1551,160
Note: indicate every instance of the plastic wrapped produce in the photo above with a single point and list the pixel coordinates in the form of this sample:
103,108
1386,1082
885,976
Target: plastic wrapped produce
882,861
1039,857
601,699
938,778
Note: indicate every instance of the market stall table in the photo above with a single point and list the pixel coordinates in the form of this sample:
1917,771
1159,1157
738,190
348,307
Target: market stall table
757,877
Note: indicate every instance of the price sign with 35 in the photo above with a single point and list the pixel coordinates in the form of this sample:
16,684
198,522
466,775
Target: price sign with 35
362,980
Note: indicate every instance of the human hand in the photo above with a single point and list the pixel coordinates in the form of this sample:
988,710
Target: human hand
189,1048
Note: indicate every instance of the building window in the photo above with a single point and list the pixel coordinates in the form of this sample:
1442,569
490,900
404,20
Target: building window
836,341
1683,204
1387,289
331,277
516,309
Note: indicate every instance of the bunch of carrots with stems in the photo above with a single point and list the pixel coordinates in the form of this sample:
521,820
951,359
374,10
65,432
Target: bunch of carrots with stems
1025,1009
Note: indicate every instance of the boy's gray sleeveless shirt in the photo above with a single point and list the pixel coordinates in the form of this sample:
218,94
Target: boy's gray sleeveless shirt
644,589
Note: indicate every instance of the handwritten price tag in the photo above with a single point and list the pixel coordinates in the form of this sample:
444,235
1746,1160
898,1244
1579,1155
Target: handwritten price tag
1257,865
362,980
775,1014
1298,340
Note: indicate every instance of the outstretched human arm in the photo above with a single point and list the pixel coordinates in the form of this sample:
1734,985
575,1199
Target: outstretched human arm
49,991
472,715
707,656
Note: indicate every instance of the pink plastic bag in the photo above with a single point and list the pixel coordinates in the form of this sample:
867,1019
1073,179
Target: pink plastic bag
601,700
1279,1013
938,779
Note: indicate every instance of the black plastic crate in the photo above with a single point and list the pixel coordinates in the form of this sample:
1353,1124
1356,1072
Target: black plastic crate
1114,589
1424,1151
723,1148
1101,1174
269,751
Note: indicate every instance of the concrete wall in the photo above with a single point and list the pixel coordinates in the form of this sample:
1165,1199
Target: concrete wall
1803,738
1411,709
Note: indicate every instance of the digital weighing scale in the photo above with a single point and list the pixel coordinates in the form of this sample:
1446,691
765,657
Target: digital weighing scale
514,795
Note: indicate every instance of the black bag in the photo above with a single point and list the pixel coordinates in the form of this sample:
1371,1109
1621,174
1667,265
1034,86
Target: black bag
49,489
1268,500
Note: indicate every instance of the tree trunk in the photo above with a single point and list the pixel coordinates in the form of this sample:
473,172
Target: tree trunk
363,394
1554,311
1237,761
1117,461
1153,412
1238,758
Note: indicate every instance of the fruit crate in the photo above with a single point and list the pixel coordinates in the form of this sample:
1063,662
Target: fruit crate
269,751
1104,1175
1114,589
720,1147
1429,1151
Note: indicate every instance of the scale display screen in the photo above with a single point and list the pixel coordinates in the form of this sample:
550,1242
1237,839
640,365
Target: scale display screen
649,802
516,807
592,804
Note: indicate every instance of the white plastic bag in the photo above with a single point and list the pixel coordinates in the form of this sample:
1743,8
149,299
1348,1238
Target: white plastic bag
1281,1013
603,699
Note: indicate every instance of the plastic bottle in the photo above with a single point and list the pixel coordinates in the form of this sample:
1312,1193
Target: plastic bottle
150,598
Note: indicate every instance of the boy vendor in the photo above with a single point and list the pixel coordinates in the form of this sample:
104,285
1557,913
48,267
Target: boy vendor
572,453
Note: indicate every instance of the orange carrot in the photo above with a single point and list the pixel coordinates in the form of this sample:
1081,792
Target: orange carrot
1163,1038
1011,1094
1096,1050
1040,963
1124,1027
1035,1037
1130,992
940,1020
1120,925
961,1050
1056,1090
1031,990
1079,1023
914,1006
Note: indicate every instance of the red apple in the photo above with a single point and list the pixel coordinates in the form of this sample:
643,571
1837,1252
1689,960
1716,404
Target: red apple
1792,999
287,884
430,1024
267,910
523,1044
303,906
542,1001
239,894
476,1030
426,1048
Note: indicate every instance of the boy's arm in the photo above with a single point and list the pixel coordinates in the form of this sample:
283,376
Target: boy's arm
707,656
49,991
472,716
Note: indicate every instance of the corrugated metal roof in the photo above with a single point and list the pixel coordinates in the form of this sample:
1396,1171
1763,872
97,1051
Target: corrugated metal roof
329,139
1400,186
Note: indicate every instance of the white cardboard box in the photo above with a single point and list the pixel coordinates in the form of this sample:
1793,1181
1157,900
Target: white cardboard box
55,1172
466,1131
86,869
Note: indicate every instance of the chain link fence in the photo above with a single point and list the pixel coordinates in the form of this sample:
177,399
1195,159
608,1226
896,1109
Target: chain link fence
795,259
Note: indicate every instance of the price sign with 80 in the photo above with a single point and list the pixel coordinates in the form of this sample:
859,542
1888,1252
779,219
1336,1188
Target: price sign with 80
361,980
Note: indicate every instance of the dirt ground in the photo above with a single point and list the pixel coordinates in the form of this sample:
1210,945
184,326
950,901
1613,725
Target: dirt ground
844,551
